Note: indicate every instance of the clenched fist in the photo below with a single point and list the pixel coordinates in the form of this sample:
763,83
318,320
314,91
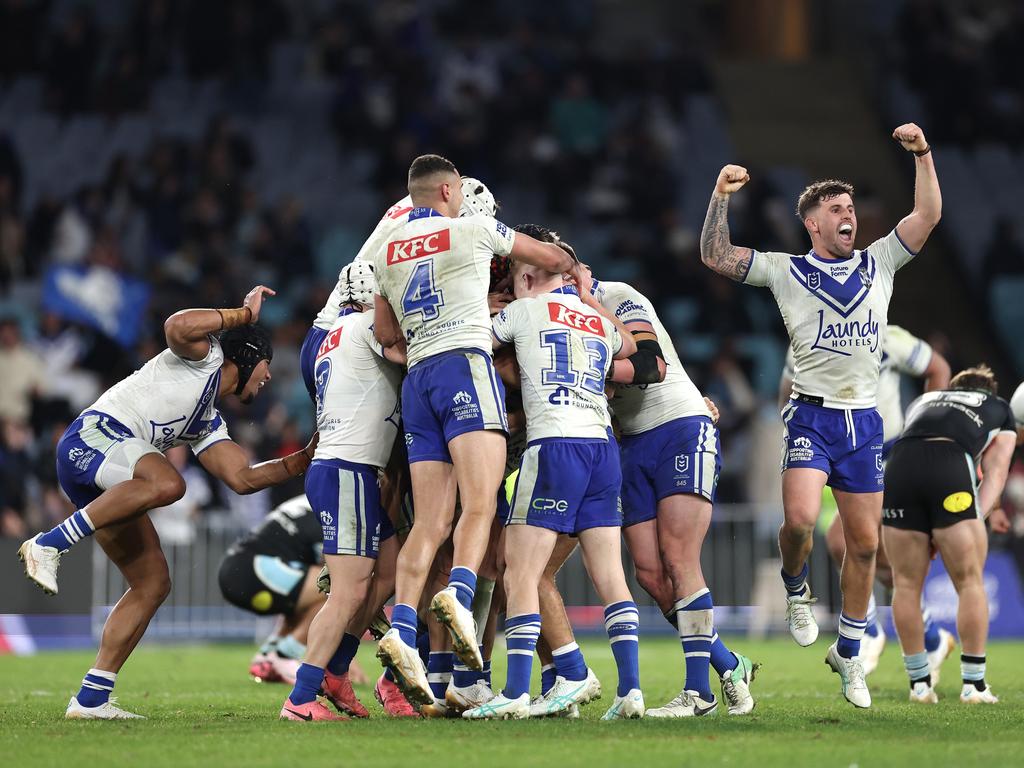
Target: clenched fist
910,137
731,179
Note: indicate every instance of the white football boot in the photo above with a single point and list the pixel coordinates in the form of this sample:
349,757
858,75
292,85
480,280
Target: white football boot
40,563
922,693
471,696
106,711
851,673
500,708
947,644
408,667
628,707
450,612
800,619
871,650
736,686
971,695
564,694
686,704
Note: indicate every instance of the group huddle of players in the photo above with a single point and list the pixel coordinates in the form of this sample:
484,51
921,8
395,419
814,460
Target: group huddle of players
484,405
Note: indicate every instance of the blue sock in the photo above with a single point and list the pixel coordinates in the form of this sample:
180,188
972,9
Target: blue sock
97,686
403,618
290,648
485,675
68,533
917,667
696,618
342,658
308,680
670,617
439,672
796,585
851,631
722,659
464,581
547,678
569,662
423,644
621,622
521,635
932,638
463,676
872,628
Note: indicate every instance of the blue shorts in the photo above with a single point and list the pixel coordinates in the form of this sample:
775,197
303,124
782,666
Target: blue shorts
346,496
82,449
448,395
307,358
568,485
680,457
845,444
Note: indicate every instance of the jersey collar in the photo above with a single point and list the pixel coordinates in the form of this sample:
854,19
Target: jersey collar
346,311
423,213
567,289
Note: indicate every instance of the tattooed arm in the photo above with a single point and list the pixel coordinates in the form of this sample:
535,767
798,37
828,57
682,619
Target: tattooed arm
716,250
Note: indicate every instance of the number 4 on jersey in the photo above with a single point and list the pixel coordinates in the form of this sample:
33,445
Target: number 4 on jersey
420,294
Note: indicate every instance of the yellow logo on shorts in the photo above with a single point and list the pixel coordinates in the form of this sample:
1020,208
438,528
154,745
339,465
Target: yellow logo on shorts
262,600
958,502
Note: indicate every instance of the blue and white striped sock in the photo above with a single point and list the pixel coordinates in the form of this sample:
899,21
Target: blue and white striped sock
696,619
403,618
569,662
464,581
851,631
621,622
917,667
872,618
521,635
97,686
308,680
439,672
796,586
64,536
548,673
342,658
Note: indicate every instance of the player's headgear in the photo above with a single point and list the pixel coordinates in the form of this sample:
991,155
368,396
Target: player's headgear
245,347
357,283
476,198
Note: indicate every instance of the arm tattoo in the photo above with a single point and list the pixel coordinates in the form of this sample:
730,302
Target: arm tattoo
715,249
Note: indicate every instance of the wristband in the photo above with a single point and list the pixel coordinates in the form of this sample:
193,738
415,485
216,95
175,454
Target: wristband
296,463
923,152
234,318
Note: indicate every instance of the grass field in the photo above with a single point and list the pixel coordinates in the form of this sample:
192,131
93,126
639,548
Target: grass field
203,710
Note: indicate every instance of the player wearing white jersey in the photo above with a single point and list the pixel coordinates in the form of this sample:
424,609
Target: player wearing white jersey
569,479
834,301
110,464
357,419
902,354
670,467
433,276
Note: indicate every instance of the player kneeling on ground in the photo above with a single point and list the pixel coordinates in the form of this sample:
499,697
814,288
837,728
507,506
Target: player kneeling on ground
569,480
932,494
356,404
110,463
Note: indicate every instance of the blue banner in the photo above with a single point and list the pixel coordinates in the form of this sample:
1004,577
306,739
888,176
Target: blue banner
98,297
1002,587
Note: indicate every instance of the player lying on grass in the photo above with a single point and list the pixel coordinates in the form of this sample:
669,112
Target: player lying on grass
902,353
932,497
272,571
569,479
835,302
357,419
110,463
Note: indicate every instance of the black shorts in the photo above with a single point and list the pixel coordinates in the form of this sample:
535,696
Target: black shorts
261,584
929,484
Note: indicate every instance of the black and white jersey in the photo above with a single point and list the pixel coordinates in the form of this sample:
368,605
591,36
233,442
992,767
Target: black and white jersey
291,532
970,418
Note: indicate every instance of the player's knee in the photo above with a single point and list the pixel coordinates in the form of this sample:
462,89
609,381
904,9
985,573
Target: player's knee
798,526
155,587
652,580
167,489
863,545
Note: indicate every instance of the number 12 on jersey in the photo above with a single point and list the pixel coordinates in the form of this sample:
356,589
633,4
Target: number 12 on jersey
420,293
563,373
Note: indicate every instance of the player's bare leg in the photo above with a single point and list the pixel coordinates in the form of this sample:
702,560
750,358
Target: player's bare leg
642,542
134,547
912,557
440,659
964,548
801,504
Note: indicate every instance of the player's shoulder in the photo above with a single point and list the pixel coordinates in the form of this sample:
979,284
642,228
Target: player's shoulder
211,362
622,298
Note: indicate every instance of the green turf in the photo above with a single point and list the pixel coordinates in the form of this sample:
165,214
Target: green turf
203,710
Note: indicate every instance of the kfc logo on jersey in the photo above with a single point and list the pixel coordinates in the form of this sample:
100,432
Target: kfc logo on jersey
330,343
418,247
559,313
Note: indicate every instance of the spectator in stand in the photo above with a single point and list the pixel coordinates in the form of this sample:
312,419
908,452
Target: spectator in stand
24,375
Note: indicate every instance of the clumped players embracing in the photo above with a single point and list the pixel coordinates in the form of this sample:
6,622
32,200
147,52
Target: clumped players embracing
835,302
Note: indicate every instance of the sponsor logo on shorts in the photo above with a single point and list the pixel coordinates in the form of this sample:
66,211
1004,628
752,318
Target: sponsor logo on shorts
892,514
465,408
462,397
958,502
408,439
559,313
801,450
418,247
682,464
878,462
326,518
550,506
802,442
81,457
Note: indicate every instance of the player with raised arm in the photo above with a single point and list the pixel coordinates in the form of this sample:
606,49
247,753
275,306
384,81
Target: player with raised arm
433,276
569,479
834,301
357,419
110,463
932,495
902,354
